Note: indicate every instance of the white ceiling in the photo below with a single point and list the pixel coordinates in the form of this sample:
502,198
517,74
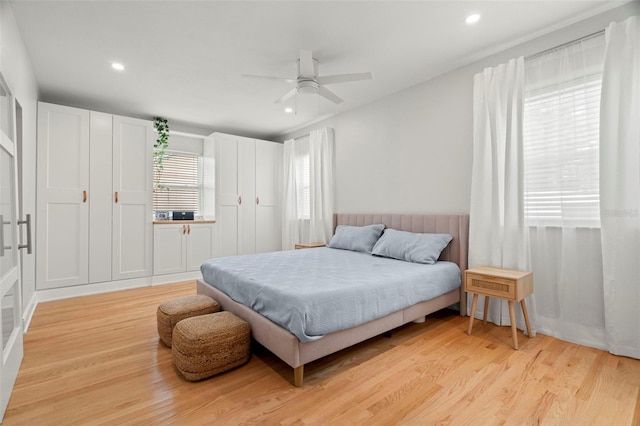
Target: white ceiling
184,59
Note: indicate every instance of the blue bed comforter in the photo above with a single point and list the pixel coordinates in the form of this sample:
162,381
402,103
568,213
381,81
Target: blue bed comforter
317,291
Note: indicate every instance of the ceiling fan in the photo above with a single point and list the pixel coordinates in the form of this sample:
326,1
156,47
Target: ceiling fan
308,80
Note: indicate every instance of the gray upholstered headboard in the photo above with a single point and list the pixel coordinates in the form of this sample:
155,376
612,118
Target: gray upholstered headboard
455,224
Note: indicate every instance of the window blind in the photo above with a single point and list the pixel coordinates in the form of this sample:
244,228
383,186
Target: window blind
561,151
179,184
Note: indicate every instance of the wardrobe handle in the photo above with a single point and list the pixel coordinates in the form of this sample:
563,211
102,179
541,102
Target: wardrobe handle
239,199
84,196
116,197
26,221
257,200
2,247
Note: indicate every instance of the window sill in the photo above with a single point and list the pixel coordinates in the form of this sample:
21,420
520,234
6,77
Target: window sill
170,222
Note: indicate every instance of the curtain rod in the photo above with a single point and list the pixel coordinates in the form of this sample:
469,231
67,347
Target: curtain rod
569,43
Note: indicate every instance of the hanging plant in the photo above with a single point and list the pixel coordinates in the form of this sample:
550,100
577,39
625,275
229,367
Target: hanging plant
159,147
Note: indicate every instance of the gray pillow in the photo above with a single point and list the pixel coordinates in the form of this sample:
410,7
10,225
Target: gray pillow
410,246
356,238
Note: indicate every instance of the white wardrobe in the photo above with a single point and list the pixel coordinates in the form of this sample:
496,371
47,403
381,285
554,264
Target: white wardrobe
94,197
247,207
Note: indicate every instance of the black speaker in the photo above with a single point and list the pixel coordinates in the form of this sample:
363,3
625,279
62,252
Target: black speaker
181,215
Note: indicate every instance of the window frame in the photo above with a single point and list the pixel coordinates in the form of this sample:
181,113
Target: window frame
570,87
164,186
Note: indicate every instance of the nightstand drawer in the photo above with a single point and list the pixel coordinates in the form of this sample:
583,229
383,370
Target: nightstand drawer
492,286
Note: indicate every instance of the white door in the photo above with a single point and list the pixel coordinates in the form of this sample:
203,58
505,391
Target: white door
169,251
268,221
132,198
10,282
62,252
228,198
101,196
199,244
247,172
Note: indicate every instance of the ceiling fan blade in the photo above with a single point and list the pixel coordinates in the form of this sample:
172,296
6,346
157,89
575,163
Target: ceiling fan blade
307,70
266,77
324,92
343,78
286,96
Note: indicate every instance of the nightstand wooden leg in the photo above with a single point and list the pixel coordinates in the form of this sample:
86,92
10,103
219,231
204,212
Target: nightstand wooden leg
514,329
526,317
486,308
474,303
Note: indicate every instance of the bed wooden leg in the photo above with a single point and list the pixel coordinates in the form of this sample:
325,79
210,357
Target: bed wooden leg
298,376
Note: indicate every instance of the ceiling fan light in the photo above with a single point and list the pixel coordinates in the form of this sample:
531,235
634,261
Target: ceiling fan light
307,87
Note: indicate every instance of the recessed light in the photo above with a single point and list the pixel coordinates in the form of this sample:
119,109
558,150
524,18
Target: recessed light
117,66
288,110
472,19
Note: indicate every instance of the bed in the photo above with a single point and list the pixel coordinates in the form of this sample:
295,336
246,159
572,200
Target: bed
296,351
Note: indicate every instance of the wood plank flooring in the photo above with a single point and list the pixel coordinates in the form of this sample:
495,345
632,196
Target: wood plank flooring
97,360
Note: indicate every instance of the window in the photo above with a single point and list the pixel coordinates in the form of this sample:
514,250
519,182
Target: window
303,184
561,137
180,183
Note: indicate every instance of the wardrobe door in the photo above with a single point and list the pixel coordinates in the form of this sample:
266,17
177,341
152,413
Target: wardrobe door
169,248
62,249
199,241
101,184
132,198
228,197
268,221
247,172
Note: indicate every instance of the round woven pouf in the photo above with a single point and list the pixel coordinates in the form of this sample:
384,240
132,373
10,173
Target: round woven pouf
173,311
207,345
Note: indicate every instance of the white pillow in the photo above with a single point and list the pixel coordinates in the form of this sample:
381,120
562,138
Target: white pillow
411,246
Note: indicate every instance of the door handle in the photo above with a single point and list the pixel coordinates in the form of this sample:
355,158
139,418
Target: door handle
239,199
189,229
84,198
116,197
257,200
26,221
184,229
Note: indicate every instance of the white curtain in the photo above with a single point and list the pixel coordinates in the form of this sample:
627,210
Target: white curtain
290,222
308,189
321,189
562,89
497,234
620,187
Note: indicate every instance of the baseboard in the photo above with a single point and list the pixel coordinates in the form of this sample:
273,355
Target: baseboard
27,314
106,287
174,278
89,289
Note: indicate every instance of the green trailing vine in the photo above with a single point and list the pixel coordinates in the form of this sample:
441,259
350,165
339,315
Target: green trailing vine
159,147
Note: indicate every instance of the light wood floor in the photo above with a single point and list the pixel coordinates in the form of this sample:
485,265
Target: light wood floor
97,360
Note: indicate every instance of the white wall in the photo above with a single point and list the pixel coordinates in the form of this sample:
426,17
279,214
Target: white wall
17,71
412,151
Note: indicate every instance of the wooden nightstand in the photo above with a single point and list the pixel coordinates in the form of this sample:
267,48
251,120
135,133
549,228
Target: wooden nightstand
507,284
308,245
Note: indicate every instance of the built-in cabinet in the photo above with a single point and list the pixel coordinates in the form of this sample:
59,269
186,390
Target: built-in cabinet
248,180
94,199
182,247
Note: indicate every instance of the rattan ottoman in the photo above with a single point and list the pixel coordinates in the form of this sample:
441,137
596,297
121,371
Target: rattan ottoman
171,312
207,345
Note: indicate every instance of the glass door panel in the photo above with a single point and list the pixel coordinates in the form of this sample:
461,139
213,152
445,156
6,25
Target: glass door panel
10,304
